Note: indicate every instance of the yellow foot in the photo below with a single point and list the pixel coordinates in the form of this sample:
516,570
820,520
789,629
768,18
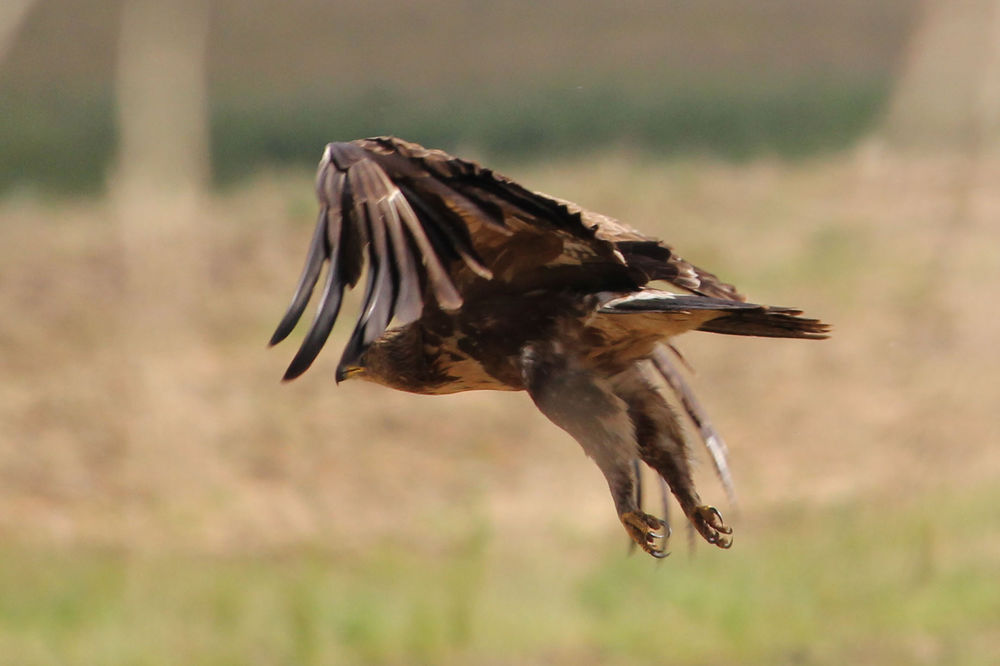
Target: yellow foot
648,532
708,521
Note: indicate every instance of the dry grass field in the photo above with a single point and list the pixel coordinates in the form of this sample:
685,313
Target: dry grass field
166,500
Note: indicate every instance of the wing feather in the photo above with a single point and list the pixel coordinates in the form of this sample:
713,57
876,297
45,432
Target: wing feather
326,315
453,232
433,229
440,282
365,218
408,299
319,250
380,292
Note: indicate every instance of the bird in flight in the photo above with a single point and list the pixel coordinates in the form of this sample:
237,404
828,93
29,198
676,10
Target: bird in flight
489,285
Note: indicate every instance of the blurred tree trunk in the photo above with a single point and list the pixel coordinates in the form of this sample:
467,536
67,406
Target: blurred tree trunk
162,99
158,189
161,170
946,111
12,15
948,94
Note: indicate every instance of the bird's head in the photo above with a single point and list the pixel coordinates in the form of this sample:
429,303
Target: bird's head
349,370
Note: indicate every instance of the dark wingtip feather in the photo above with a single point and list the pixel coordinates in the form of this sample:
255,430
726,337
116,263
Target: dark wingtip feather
288,322
303,359
280,333
293,372
318,251
329,307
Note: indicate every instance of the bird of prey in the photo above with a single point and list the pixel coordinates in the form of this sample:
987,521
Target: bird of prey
489,285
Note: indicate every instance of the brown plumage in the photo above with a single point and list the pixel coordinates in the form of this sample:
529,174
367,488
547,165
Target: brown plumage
493,286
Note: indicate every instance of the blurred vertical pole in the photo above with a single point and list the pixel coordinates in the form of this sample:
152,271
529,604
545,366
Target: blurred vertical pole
946,107
162,166
944,125
158,189
162,98
12,15
987,102
949,72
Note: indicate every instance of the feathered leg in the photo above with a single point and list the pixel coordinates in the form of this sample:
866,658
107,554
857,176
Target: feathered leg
663,447
586,407
713,441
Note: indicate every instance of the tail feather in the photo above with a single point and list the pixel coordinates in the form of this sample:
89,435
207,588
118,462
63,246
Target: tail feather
719,315
768,322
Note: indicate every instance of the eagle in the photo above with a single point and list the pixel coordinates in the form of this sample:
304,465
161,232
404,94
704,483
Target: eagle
476,282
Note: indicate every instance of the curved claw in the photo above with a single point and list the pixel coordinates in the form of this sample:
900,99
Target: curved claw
714,519
709,523
648,532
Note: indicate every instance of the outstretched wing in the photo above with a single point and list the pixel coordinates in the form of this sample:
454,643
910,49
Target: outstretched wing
435,229
365,215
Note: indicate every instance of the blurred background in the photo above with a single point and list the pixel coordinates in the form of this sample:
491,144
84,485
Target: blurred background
165,499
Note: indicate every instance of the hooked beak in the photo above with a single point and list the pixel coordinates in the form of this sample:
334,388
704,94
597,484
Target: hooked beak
347,371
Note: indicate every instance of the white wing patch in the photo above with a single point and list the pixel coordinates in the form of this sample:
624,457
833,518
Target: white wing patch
608,299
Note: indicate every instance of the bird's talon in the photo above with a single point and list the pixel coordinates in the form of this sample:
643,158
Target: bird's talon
709,523
648,532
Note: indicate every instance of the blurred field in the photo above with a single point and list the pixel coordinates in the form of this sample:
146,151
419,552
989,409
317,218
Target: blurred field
172,502
804,586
